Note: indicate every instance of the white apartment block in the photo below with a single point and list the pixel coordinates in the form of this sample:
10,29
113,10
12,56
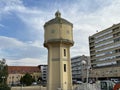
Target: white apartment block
78,70
43,72
105,52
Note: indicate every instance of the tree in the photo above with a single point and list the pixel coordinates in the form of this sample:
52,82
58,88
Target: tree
3,71
3,75
27,79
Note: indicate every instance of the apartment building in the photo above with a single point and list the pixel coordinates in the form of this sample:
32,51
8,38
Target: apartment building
44,72
16,72
105,53
78,69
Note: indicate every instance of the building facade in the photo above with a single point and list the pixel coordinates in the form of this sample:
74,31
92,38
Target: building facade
58,40
105,53
44,72
16,72
78,69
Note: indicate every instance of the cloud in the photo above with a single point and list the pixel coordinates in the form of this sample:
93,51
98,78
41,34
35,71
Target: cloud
8,42
32,17
11,48
87,24
25,62
87,16
15,50
2,26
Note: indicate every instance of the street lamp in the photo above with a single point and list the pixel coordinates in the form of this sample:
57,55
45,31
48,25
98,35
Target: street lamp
83,62
87,69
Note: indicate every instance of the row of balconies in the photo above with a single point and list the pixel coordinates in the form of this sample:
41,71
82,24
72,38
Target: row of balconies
105,47
92,46
106,72
75,60
114,52
76,76
73,73
114,58
116,29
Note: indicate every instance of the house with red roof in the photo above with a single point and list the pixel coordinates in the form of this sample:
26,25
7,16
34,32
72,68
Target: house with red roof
16,72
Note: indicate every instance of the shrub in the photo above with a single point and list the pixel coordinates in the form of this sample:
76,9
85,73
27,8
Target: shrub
5,88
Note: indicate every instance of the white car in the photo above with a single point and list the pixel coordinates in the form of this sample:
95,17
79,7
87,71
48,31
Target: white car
34,83
79,82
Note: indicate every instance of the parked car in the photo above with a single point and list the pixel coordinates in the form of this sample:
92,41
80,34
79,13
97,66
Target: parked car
115,80
79,82
34,83
44,84
107,85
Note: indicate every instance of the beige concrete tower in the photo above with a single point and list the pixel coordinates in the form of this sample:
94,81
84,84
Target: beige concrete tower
58,40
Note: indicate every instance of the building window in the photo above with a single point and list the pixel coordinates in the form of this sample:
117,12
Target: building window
64,52
117,39
12,77
64,67
117,50
115,29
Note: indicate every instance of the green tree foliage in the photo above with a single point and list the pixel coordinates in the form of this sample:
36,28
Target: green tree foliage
27,79
3,75
3,72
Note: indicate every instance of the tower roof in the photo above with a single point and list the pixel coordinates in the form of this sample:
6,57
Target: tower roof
58,20
58,14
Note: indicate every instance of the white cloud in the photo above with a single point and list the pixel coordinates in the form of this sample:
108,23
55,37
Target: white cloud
7,42
11,48
36,43
25,62
30,16
85,24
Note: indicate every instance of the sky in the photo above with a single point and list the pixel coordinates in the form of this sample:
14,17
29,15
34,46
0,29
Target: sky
22,21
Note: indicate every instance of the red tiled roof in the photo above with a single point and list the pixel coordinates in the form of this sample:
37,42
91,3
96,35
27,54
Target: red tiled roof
22,69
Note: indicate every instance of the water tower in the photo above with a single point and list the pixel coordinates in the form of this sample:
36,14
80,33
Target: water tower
58,38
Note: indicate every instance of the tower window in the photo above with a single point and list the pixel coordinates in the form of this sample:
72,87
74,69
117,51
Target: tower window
64,67
64,52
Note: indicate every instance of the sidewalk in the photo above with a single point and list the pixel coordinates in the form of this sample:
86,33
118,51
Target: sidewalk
29,88
83,86
88,86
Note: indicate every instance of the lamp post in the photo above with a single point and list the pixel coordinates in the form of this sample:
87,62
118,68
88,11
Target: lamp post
88,68
83,62
87,71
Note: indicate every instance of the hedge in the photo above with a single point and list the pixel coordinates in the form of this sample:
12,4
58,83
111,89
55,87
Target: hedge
5,88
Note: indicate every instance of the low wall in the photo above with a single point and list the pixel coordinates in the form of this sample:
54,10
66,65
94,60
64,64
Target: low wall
29,88
75,87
